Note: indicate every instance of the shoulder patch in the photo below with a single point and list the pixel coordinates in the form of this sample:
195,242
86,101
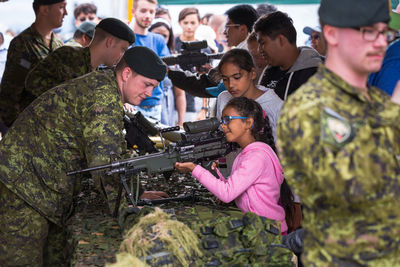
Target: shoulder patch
335,129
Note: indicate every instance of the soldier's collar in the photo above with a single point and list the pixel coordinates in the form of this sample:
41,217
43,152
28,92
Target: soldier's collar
340,83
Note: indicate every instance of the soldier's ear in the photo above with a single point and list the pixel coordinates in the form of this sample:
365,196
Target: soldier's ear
109,41
126,73
331,34
44,9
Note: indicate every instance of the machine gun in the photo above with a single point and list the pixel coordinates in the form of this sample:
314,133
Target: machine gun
202,142
192,56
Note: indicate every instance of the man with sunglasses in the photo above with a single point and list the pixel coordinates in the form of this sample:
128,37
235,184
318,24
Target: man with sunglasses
240,21
339,142
316,39
239,25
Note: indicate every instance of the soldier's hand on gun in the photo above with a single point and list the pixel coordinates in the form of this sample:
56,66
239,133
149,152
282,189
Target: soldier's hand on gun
185,166
128,107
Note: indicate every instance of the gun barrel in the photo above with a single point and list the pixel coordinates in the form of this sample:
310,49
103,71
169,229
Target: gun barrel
89,169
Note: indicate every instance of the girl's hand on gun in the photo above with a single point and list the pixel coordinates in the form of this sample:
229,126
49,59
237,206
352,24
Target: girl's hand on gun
185,166
214,165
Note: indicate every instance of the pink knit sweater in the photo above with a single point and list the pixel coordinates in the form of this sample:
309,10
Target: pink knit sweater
254,183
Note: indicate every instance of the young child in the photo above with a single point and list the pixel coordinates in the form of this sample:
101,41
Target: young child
256,181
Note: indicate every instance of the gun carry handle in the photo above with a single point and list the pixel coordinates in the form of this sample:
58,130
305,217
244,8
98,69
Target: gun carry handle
170,129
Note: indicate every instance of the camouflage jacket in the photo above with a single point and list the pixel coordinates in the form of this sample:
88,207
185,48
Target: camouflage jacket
64,64
73,42
341,153
72,126
24,52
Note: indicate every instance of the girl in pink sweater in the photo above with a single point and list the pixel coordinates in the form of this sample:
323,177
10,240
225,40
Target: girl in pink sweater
256,183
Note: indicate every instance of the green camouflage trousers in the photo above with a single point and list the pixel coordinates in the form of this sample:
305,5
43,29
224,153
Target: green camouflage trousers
26,237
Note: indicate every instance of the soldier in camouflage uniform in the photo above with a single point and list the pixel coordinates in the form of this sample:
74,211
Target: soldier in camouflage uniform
83,35
339,141
112,38
25,51
72,126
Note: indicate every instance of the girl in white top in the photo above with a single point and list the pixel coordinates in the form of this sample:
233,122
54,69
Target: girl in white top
238,75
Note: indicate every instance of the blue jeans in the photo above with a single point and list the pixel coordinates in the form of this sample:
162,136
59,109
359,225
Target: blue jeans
150,111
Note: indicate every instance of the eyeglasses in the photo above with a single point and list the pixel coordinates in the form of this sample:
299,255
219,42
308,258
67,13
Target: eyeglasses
231,25
371,35
227,119
314,37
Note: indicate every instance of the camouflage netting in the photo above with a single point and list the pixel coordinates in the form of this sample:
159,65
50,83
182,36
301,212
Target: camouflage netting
95,236
157,231
227,237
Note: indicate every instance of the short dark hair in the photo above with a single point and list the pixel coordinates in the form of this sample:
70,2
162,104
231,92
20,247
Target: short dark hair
35,7
239,57
86,8
188,11
243,15
77,34
274,24
263,9
252,37
160,10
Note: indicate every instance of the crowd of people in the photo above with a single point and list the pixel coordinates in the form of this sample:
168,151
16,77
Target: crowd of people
318,134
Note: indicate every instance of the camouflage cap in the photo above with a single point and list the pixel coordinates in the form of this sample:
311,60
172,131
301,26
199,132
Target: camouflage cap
46,2
145,62
354,13
87,28
117,28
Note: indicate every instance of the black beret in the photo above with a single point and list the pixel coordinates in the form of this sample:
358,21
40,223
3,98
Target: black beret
46,2
145,62
118,29
353,13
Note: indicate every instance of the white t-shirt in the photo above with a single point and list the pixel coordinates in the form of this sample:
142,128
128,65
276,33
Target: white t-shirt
270,102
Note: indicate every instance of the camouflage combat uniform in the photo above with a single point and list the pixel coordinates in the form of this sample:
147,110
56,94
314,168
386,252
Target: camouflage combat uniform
341,153
24,52
72,126
62,65
73,42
